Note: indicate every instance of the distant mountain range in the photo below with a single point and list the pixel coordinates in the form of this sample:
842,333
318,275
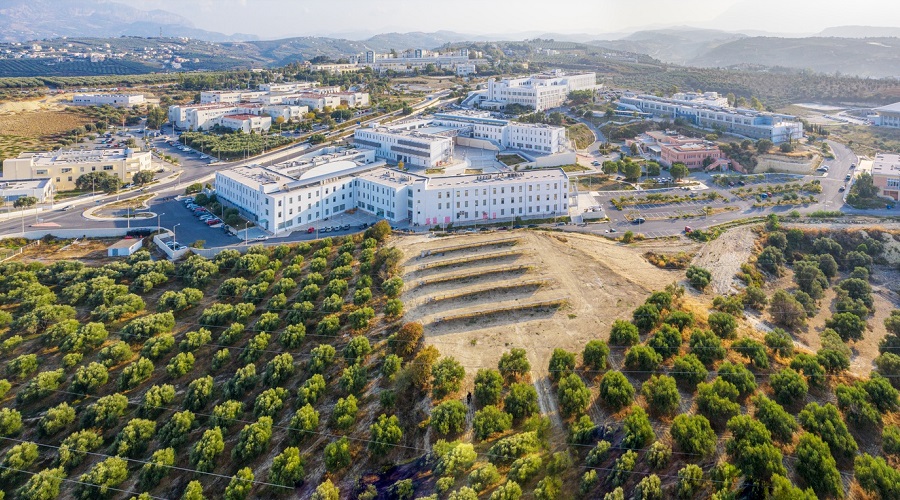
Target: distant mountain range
877,56
856,50
25,20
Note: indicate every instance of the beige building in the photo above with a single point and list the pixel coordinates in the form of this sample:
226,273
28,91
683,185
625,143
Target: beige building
64,167
886,175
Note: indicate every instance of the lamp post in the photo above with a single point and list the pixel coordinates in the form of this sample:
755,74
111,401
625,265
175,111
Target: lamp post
173,235
158,227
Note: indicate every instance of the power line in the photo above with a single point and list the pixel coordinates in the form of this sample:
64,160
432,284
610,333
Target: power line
82,482
173,467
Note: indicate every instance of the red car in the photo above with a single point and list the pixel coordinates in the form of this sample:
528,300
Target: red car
688,230
310,230
213,222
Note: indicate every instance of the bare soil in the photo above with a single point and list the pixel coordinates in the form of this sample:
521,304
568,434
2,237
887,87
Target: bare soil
723,258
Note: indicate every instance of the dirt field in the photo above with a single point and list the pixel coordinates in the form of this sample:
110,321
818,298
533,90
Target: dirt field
39,123
724,256
91,252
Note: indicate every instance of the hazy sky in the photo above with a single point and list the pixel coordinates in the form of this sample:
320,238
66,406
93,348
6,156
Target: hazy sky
279,18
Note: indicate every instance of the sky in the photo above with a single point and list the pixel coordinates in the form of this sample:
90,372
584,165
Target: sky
271,19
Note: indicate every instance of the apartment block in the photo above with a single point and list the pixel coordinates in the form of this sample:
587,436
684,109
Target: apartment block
64,167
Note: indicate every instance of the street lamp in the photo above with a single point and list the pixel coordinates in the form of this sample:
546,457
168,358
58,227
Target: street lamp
157,222
173,235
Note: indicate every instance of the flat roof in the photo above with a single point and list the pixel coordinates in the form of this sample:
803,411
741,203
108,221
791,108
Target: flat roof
548,174
886,164
23,184
126,243
241,117
79,156
893,108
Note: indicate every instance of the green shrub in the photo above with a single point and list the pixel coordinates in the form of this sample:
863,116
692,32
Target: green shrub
623,333
661,394
638,431
344,414
521,402
488,387
253,439
449,417
574,395
490,420
287,468
615,390
304,422
206,451
337,454
693,434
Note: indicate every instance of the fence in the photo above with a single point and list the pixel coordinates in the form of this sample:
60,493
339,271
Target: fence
8,254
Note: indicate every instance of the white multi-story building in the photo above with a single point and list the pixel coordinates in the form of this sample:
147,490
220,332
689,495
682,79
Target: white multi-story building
305,190
230,96
297,194
286,86
40,189
64,167
695,108
888,116
465,69
533,137
403,143
540,92
287,100
117,100
285,111
430,142
434,201
206,116
246,122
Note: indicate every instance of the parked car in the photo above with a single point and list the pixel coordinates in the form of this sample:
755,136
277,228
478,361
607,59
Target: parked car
345,227
848,177
842,189
639,220
688,230
310,230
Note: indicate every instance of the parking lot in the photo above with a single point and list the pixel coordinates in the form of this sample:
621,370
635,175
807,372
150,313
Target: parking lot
188,228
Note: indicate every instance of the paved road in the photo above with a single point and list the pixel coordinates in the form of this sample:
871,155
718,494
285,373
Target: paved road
830,199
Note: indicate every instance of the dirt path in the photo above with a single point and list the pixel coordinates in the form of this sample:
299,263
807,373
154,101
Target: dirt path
724,256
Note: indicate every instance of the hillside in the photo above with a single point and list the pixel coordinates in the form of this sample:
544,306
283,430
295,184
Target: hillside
861,32
293,372
870,57
676,46
25,20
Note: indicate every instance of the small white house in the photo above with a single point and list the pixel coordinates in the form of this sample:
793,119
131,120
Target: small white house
124,248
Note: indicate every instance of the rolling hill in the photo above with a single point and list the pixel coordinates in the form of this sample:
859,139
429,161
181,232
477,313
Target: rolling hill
25,20
869,57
